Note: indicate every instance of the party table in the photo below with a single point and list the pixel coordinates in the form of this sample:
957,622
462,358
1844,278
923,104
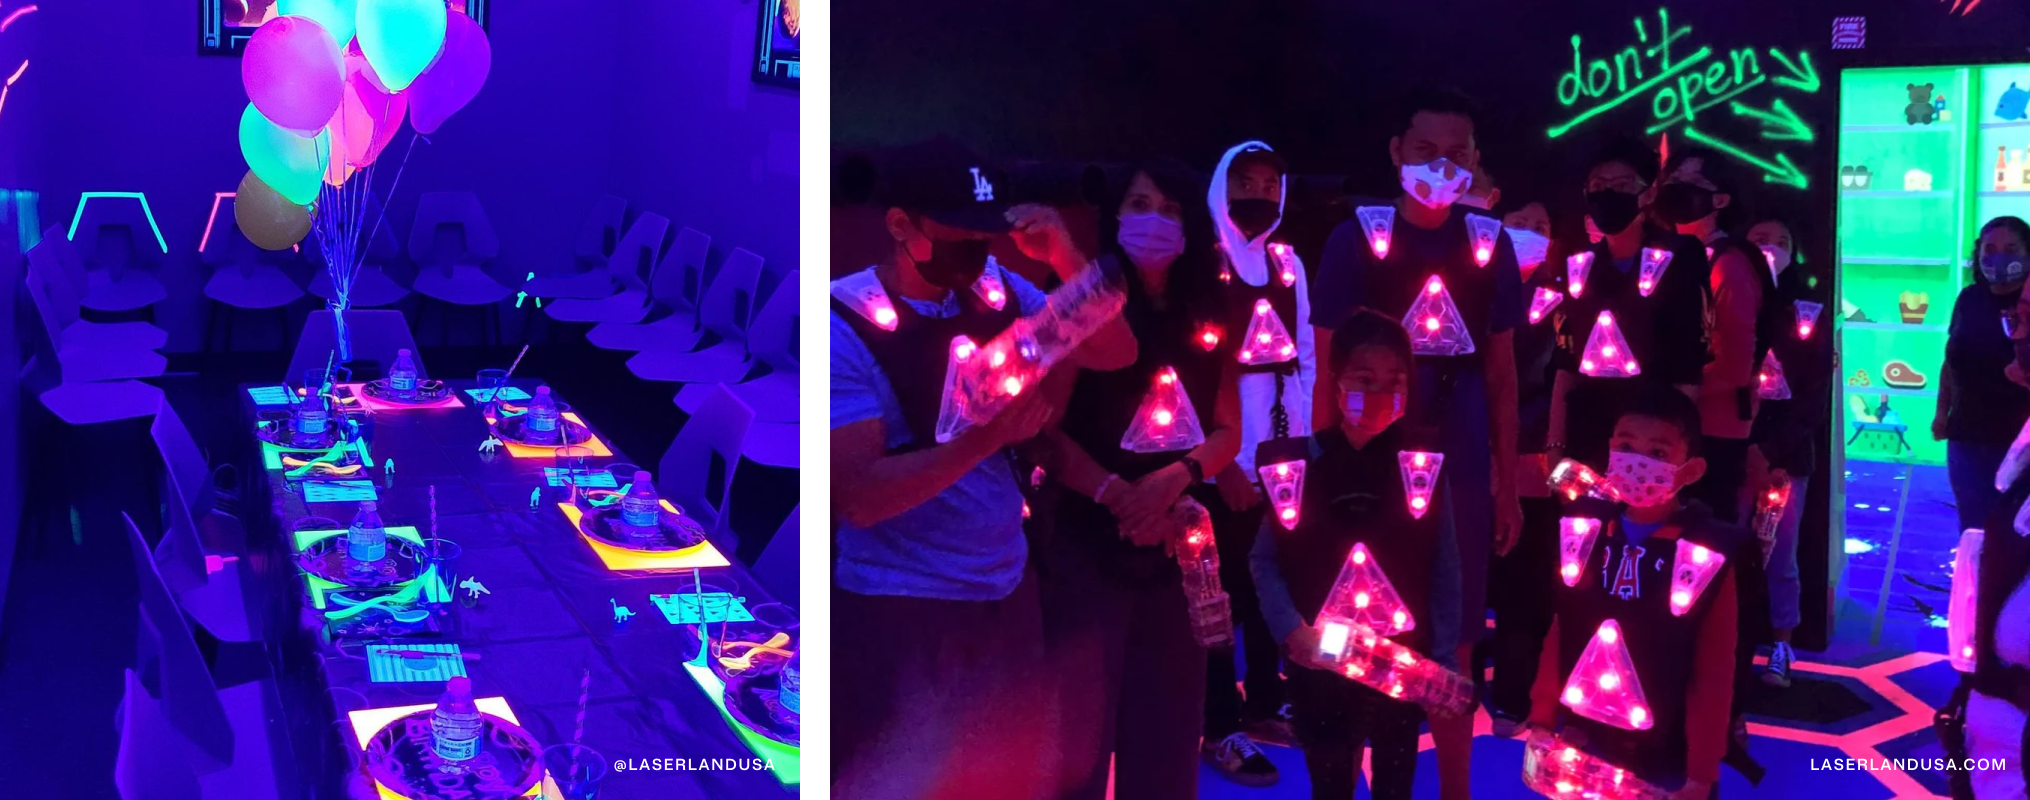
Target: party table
554,606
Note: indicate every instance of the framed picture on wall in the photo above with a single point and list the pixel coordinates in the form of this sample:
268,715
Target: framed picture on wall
223,26
775,42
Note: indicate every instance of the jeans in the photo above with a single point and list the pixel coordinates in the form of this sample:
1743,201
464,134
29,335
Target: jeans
1234,532
1726,471
1784,587
1971,468
1336,718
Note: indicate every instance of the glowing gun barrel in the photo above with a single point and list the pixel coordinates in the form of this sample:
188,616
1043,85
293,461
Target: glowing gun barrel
1571,479
1557,770
1769,508
1015,360
1198,559
1357,652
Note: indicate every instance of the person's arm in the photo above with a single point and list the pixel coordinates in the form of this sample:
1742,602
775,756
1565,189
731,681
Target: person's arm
1325,413
1681,320
1555,442
1277,608
1736,301
1503,404
1544,692
1710,696
869,485
1327,301
1040,233
1303,395
1945,392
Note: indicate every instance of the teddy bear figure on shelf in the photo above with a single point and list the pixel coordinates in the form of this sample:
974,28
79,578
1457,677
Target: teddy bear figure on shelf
1919,111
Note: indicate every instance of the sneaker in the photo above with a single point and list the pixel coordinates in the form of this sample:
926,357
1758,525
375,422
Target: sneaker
1240,760
1508,727
1778,672
1274,729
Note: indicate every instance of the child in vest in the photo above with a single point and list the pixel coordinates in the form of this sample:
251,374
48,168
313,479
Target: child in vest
1358,508
1638,667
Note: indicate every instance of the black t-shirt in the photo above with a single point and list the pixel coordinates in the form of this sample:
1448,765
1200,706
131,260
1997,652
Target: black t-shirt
1987,407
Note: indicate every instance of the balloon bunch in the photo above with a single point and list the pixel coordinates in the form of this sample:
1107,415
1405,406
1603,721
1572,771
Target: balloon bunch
329,84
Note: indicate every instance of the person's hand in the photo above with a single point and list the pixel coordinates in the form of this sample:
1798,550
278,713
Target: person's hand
1302,644
2014,372
1019,420
1777,475
1149,498
1508,523
1235,489
1040,234
1114,495
1938,427
1693,790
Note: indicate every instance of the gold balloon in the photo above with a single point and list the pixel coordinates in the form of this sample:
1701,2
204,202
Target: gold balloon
267,218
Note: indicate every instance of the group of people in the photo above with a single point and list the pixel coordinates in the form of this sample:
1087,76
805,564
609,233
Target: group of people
1010,613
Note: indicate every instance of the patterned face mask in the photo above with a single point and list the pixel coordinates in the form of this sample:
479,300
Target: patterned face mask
1437,184
1641,480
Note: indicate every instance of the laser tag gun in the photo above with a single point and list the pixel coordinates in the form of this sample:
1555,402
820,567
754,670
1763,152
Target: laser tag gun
1769,508
1372,660
1198,558
981,379
1960,608
1558,770
1571,479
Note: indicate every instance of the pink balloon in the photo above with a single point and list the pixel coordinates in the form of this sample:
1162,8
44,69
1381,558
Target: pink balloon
366,122
293,74
453,79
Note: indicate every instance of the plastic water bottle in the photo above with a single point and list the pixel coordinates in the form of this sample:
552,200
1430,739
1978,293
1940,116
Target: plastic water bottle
455,726
641,510
402,375
791,686
367,540
542,425
310,417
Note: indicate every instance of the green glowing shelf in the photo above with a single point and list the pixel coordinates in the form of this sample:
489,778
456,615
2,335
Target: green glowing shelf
1893,194
1894,128
1891,391
1891,326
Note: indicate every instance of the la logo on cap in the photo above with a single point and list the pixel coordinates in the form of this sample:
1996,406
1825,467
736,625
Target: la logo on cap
983,191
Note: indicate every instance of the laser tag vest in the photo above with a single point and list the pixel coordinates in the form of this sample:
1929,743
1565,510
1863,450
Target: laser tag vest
1772,317
1793,371
1592,284
1654,595
1262,320
1435,281
1347,497
913,350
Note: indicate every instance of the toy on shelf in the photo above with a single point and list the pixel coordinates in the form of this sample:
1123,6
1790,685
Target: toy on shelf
1882,427
1860,378
2014,104
1939,111
1912,306
1851,312
1855,178
1917,180
1899,375
1920,110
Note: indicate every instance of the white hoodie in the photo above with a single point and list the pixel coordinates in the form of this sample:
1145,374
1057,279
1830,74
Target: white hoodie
1249,260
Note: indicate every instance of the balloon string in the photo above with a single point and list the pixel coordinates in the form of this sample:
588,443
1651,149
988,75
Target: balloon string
398,179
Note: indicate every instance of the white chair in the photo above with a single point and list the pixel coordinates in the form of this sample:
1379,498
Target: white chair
165,649
116,241
54,258
726,312
675,290
772,340
451,243
376,334
82,371
586,277
213,598
626,299
697,470
245,277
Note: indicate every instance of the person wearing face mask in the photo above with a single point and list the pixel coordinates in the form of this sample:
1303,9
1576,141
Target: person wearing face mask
1740,326
1450,275
1979,409
1996,696
1787,429
1132,442
940,630
1661,571
1353,493
1662,328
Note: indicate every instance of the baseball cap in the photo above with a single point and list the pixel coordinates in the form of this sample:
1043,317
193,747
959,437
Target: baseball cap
1269,157
947,182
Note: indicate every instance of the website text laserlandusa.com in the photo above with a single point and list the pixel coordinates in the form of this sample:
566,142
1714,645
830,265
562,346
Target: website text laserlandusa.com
1909,764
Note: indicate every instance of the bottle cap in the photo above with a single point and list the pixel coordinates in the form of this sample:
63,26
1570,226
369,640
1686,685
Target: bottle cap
642,478
542,390
368,505
401,351
459,688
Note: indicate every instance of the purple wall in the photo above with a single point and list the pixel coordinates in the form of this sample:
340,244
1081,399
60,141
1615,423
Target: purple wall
696,139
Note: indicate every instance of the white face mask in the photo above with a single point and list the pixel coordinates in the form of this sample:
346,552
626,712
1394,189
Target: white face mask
1778,259
1437,184
1641,480
1530,247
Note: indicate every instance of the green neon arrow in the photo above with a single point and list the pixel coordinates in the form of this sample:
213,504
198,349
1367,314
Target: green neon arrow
1780,170
1804,80
1779,123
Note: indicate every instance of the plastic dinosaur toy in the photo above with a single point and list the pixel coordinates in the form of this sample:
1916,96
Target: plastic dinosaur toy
621,613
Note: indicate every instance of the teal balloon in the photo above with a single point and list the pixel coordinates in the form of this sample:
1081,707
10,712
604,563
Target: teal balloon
290,164
335,15
401,37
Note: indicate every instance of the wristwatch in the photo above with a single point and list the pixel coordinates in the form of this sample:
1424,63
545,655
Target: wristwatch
1196,469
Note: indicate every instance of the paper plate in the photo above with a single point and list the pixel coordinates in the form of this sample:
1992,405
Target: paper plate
514,429
509,763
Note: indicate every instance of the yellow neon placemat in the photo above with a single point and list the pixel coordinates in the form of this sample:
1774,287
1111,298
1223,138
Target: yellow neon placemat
788,760
369,721
318,586
615,558
597,446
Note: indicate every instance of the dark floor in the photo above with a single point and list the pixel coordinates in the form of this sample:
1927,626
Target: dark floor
70,610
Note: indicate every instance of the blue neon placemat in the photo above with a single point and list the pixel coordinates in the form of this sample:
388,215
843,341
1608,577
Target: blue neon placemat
682,608
269,395
385,668
338,491
598,479
508,393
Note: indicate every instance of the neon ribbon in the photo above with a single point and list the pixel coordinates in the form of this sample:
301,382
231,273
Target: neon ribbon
351,608
736,664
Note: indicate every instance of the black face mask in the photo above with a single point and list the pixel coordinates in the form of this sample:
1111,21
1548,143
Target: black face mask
1683,203
1611,210
1253,216
954,263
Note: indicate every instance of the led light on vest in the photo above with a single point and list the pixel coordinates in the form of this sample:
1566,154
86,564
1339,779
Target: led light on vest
1960,608
1540,306
1166,420
1769,508
1286,263
1575,544
1208,337
1378,222
1577,267
1483,233
1769,383
1693,571
1266,341
1362,596
1654,261
1420,477
951,413
990,289
1807,317
1607,354
1603,686
1435,327
862,292
1284,481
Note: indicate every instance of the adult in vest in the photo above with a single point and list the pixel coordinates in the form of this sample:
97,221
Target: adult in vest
940,622
1979,409
1999,702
